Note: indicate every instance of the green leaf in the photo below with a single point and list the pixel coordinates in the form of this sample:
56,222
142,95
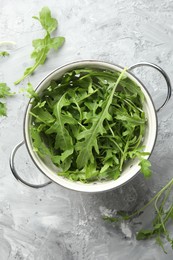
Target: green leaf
42,115
48,23
63,139
90,136
5,91
111,219
43,46
170,212
144,234
136,120
161,224
145,167
4,53
56,42
90,172
79,118
31,92
134,89
3,109
160,243
107,165
38,144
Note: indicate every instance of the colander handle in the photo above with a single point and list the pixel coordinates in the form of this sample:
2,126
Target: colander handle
15,173
164,74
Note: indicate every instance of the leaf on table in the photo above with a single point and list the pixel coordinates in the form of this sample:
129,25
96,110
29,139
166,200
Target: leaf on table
43,46
111,219
5,91
145,167
160,243
144,234
3,109
47,21
4,54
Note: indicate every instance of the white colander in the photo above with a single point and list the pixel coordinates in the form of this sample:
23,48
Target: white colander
130,169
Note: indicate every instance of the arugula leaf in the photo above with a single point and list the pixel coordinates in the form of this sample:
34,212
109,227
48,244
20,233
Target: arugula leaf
91,124
3,109
43,46
144,234
31,92
159,229
4,93
4,53
90,136
47,22
145,167
160,243
111,219
39,146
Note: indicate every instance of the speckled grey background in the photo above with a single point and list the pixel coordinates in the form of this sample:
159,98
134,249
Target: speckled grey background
54,223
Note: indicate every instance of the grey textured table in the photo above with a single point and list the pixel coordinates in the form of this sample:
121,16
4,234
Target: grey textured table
53,222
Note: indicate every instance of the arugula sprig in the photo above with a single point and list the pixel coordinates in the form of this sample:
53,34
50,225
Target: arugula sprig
43,46
90,123
163,206
4,93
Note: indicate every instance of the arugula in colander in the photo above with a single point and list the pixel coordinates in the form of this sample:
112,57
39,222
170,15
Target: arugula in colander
90,122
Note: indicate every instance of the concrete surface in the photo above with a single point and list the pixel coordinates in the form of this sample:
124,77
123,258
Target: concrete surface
54,223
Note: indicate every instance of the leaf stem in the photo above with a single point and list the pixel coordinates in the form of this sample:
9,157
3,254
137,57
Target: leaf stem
31,70
137,212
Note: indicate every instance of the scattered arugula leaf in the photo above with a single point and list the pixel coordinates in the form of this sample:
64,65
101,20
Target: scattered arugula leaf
92,123
4,53
4,93
43,46
29,91
3,109
145,167
48,23
164,215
